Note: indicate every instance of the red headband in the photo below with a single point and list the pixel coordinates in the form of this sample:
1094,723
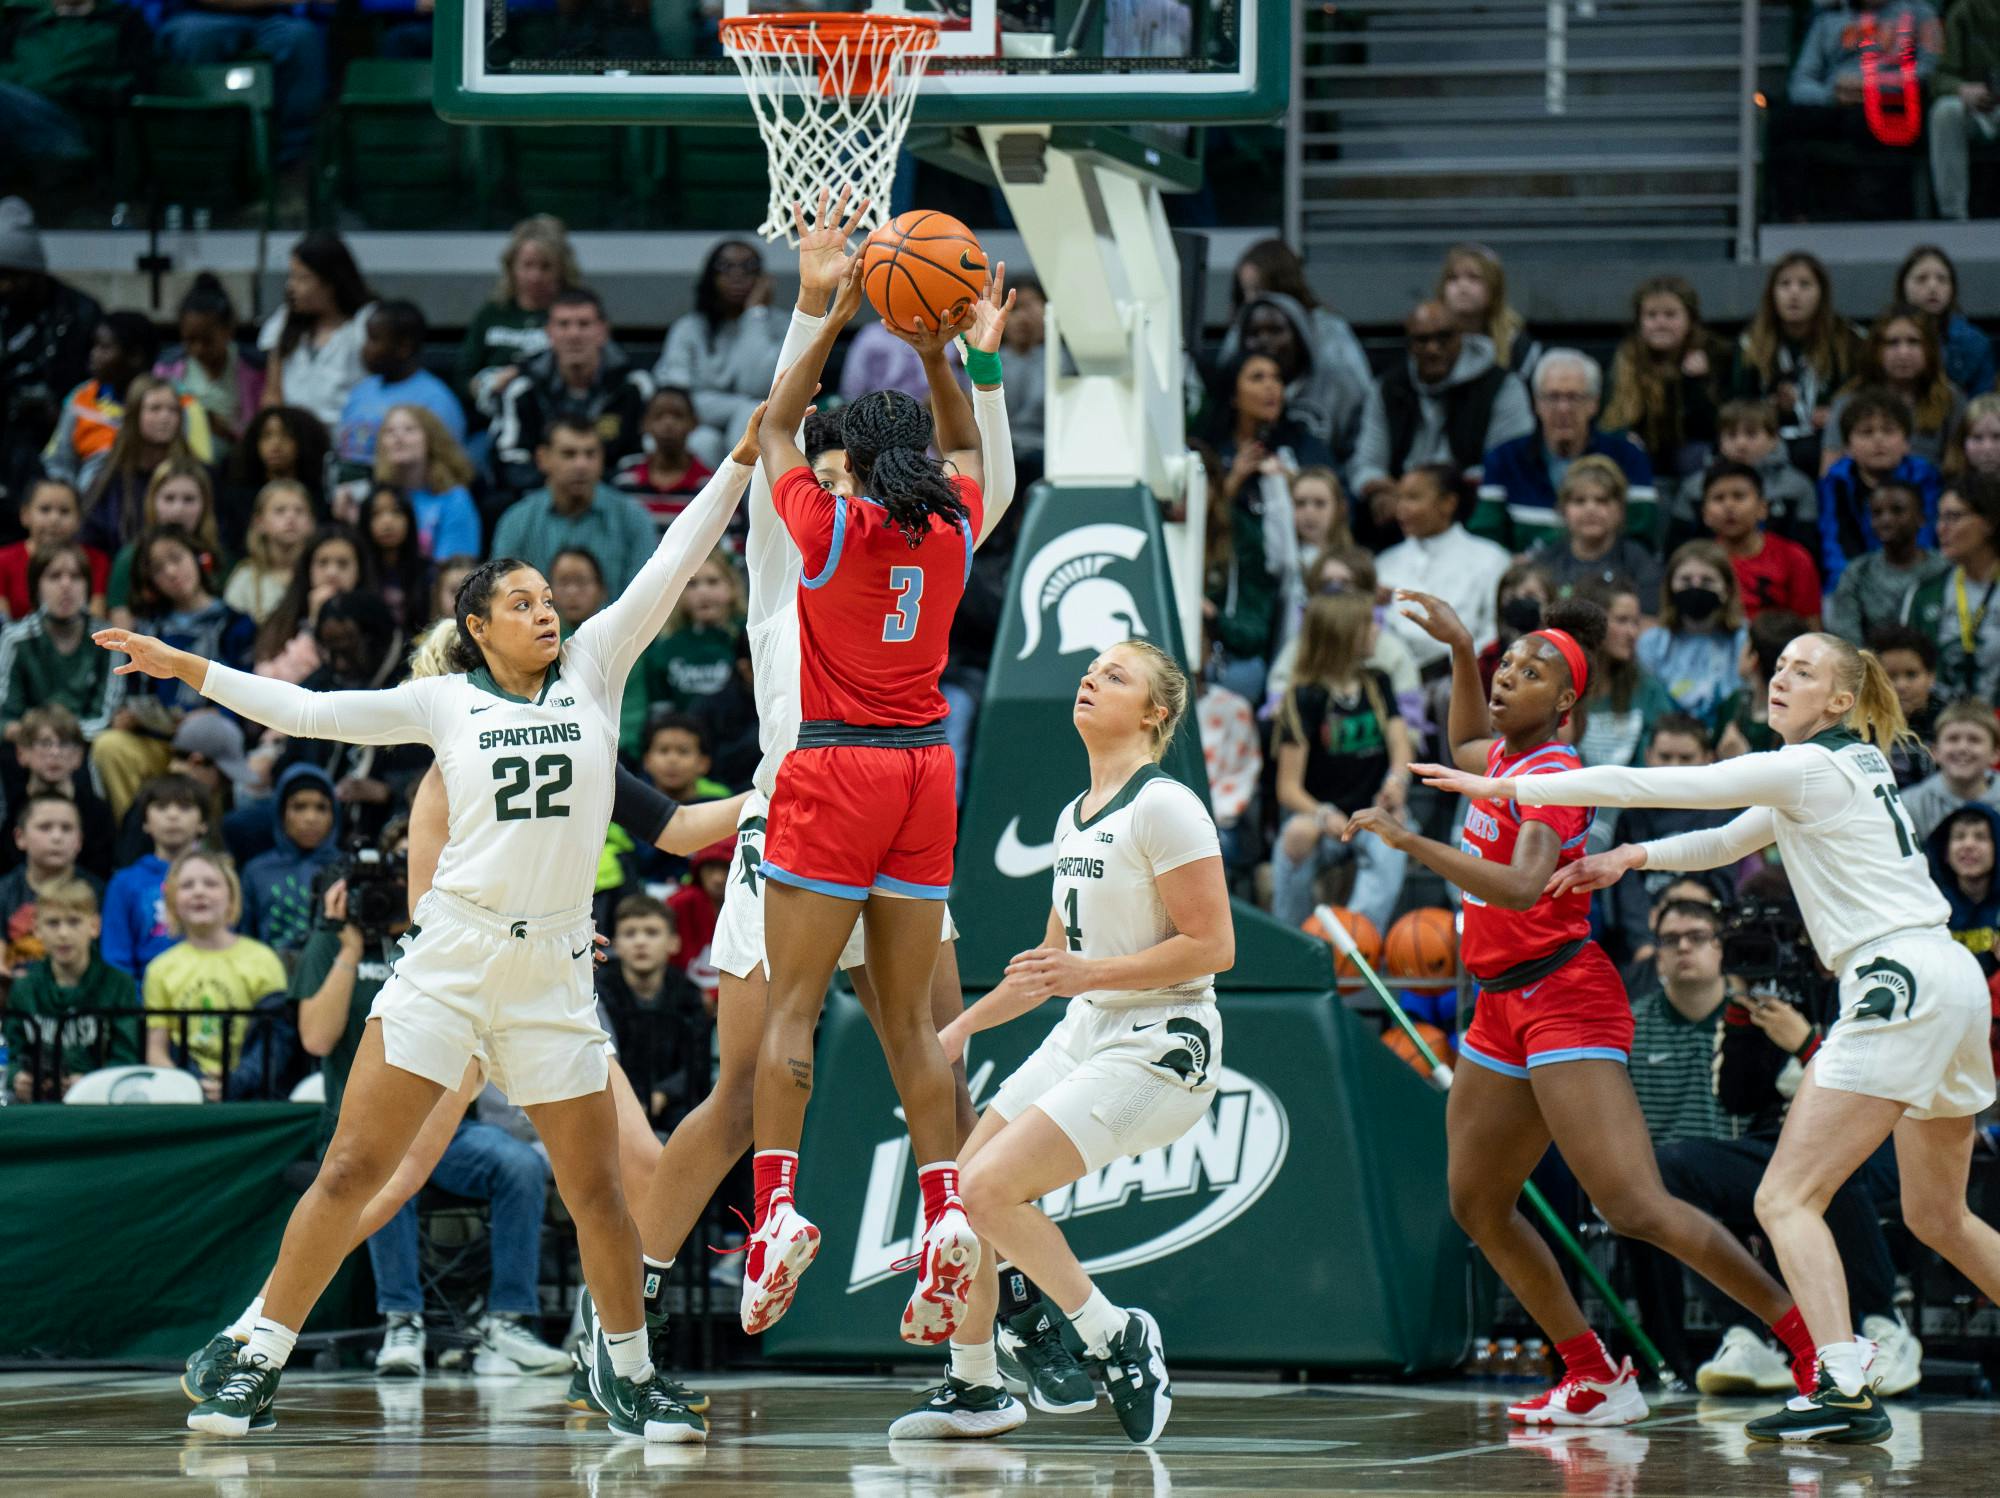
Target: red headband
1573,657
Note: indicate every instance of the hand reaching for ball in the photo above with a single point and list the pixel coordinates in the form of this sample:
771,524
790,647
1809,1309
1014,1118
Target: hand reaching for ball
988,322
824,264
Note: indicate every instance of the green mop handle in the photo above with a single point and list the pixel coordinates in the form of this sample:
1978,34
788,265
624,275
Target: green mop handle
1344,943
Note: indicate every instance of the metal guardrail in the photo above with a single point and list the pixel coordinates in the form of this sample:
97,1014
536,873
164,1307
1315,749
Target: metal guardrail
1552,123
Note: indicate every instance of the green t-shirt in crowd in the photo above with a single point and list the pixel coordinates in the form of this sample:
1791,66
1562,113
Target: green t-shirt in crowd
316,959
42,1012
677,671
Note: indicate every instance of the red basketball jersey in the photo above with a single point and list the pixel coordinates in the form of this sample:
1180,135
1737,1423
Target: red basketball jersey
874,613
1495,939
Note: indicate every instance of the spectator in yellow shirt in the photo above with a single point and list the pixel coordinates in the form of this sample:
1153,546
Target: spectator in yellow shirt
210,968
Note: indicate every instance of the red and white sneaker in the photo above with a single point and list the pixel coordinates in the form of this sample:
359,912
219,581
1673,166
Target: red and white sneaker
779,1251
945,1266
1578,1401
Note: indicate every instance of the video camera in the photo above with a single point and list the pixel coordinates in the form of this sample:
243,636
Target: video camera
378,888
1764,942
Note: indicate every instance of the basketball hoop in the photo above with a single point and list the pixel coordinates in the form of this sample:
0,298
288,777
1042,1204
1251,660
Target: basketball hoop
833,95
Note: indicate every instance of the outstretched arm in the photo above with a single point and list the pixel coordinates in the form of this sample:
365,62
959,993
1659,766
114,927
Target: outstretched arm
1704,848
1777,779
391,715
825,268
1511,886
1468,725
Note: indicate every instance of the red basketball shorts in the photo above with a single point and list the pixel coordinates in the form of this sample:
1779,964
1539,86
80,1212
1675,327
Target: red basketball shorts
1577,1013
855,821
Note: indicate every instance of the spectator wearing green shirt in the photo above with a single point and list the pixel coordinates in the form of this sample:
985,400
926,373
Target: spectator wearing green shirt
695,654
48,658
55,1032
576,508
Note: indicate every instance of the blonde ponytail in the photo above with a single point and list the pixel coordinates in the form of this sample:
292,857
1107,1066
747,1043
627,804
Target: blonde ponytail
1877,714
1167,688
432,656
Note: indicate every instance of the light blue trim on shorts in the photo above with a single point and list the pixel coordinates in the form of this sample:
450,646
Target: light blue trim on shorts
885,885
1580,1053
1493,1063
854,892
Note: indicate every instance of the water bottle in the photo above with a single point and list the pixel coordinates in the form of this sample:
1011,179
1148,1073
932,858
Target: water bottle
1508,1365
1484,1355
1536,1365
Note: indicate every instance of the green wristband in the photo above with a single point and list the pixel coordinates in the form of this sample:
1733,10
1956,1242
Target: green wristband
982,366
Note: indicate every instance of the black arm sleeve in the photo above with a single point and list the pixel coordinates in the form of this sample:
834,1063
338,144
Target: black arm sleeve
640,809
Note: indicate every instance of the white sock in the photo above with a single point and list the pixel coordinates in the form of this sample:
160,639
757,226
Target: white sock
243,1325
1842,1362
1098,1322
660,1264
628,1354
976,1363
270,1342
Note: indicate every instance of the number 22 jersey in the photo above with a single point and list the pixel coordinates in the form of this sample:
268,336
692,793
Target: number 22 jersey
874,613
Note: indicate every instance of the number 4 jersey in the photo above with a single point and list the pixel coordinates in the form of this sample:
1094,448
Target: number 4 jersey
1107,897
874,612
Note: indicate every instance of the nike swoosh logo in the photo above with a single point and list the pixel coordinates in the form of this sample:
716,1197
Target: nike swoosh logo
1019,860
966,262
1529,993
486,709
574,955
1656,1060
1137,1028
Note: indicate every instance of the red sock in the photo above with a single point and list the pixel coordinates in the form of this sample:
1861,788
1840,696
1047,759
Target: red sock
940,1183
774,1171
1584,1357
1791,1330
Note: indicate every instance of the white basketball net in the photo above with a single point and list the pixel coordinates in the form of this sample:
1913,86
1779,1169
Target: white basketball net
832,107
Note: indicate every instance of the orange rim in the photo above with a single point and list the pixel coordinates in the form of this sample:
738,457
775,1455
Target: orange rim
757,33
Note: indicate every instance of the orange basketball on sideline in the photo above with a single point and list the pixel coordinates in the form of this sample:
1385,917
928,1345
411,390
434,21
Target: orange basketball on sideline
924,265
1400,1043
1366,937
1423,944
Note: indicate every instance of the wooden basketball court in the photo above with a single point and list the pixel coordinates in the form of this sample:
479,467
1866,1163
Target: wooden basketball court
83,1435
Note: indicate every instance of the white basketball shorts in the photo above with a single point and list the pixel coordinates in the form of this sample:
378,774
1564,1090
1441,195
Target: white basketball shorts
1914,1027
1120,1082
517,994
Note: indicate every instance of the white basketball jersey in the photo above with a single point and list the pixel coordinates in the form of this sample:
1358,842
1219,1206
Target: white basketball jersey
1855,861
1107,897
530,783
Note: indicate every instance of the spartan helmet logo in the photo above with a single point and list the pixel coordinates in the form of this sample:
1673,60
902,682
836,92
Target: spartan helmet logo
1093,612
1885,983
1189,1059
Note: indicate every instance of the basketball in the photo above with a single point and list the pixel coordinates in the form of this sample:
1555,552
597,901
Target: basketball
1366,937
1422,944
922,265
1402,1045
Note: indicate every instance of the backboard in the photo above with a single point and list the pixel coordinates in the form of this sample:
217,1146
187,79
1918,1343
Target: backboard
999,62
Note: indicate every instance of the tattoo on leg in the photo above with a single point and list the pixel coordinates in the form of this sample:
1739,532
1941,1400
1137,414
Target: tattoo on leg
802,1074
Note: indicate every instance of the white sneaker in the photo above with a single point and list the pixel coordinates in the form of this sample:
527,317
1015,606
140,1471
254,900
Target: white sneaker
1578,1401
947,1261
1745,1364
402,1354
778,1253
1898,1366
507,1344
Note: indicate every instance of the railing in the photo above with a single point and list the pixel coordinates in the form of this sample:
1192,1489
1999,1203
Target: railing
117,1037
1603,123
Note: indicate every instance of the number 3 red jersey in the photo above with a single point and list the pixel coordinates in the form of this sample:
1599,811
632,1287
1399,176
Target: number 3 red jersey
1496,940
874,613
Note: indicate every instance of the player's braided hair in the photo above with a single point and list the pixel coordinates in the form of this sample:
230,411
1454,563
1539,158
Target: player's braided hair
475,596
888,439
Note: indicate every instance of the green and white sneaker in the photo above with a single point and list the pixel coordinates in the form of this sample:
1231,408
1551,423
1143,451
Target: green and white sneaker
1036,1361
956,1411
242,1404
580,1396
640,1409
1826,1414
1134,1368
205,1370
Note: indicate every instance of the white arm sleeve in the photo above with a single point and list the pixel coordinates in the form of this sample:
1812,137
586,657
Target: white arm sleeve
996,447
1784,779
1715,847
390,715
605,646
1173,828
765,553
